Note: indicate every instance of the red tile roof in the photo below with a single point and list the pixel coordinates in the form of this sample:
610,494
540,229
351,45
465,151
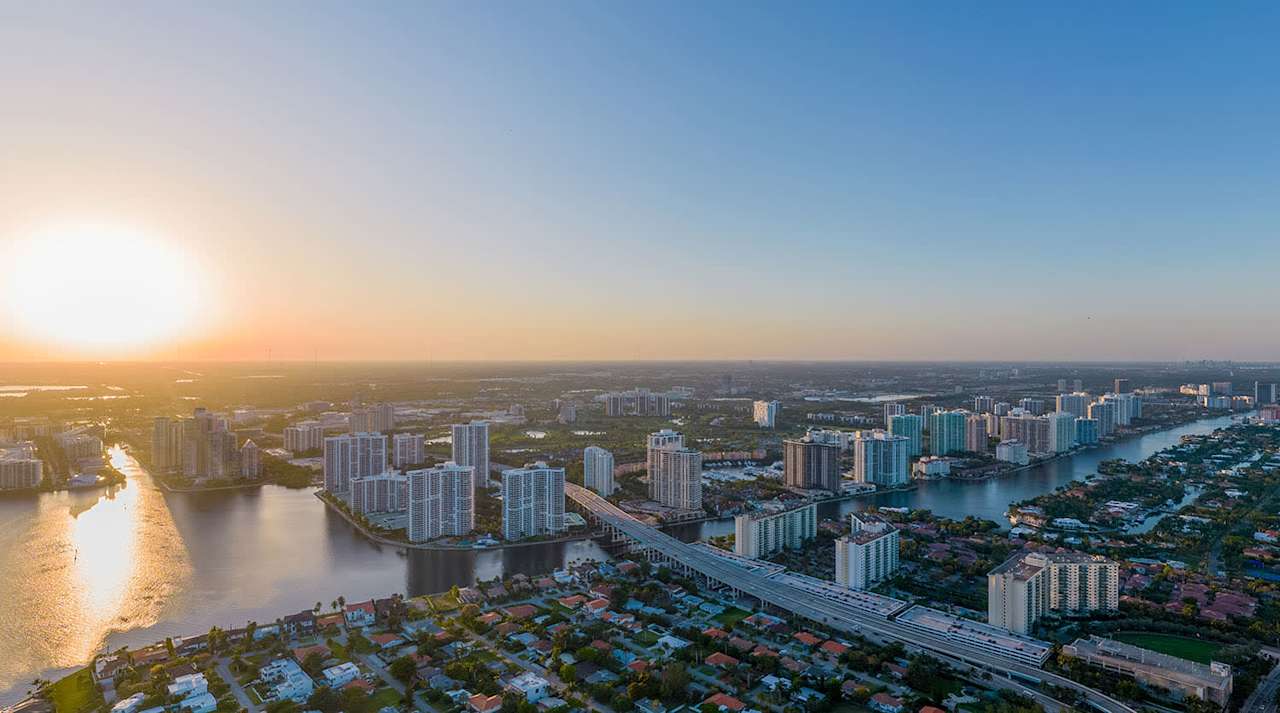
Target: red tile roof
722,700
719,659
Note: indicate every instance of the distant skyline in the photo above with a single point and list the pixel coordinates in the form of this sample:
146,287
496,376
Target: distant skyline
588,181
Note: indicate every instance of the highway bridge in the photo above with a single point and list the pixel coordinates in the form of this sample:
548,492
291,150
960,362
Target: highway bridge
780,592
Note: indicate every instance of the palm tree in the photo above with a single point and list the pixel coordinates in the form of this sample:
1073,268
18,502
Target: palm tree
316,608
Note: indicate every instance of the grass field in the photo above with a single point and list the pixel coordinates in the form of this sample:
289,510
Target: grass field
729,618
386,696
75,693
1180,646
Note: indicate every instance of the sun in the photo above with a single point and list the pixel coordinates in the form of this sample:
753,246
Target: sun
100,290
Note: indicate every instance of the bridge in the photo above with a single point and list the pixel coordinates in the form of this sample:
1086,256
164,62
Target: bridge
786,594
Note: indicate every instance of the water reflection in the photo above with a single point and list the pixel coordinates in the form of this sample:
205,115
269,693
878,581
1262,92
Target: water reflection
90,571
79,565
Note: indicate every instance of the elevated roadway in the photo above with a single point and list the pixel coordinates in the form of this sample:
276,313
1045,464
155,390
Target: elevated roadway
716,571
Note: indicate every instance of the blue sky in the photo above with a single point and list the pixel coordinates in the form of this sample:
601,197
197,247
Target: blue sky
612,180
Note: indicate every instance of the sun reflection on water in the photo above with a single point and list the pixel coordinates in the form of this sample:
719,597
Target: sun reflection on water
83,564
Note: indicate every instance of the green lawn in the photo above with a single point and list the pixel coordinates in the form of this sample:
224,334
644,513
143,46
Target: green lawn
75,693
1180,646
444,603
729,618
385,696
646,638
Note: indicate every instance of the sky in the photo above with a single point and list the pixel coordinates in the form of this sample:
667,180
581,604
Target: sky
656,180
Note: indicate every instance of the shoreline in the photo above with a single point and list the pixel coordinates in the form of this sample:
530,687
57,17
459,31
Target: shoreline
439,547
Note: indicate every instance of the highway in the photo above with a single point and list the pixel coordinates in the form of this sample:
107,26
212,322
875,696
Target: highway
834,614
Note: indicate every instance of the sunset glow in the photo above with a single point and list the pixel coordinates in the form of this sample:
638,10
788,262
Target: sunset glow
101,289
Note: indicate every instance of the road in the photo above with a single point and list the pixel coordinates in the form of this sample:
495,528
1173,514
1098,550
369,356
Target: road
224,670
824,610
1263,698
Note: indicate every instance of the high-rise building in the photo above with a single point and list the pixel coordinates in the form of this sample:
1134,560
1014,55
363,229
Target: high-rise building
379,418
830,436
1086,431
20,471
637,402
665,439
1012,452
567,413
1076,404
532,501
678,479
441,502
1035,407
892,409
1122,386
869,554
765,413
224,457
881,458
304,436
1062,385
926,411
350,456
1104,412
471,447
1264,394
408,449
911,427
1030,584
1032,431
597,470
983,404
810,464
250,460
1062,431
384,492
975,433
1001,408
1127,407
946,432
764,532
166,444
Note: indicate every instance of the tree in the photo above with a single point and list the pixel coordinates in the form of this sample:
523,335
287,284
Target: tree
675,681
568,674
324,699
403,669
313,663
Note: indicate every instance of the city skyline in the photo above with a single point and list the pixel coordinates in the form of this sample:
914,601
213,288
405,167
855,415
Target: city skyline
827,182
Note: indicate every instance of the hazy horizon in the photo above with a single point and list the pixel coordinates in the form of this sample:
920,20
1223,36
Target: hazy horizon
586,182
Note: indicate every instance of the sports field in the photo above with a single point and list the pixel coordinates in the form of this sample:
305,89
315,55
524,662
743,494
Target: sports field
1180,646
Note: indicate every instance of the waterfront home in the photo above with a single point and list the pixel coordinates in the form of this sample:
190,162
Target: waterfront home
301,624
200,703
361,614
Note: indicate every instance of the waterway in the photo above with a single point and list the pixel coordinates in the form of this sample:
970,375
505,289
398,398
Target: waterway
87,571
82,572
989,499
